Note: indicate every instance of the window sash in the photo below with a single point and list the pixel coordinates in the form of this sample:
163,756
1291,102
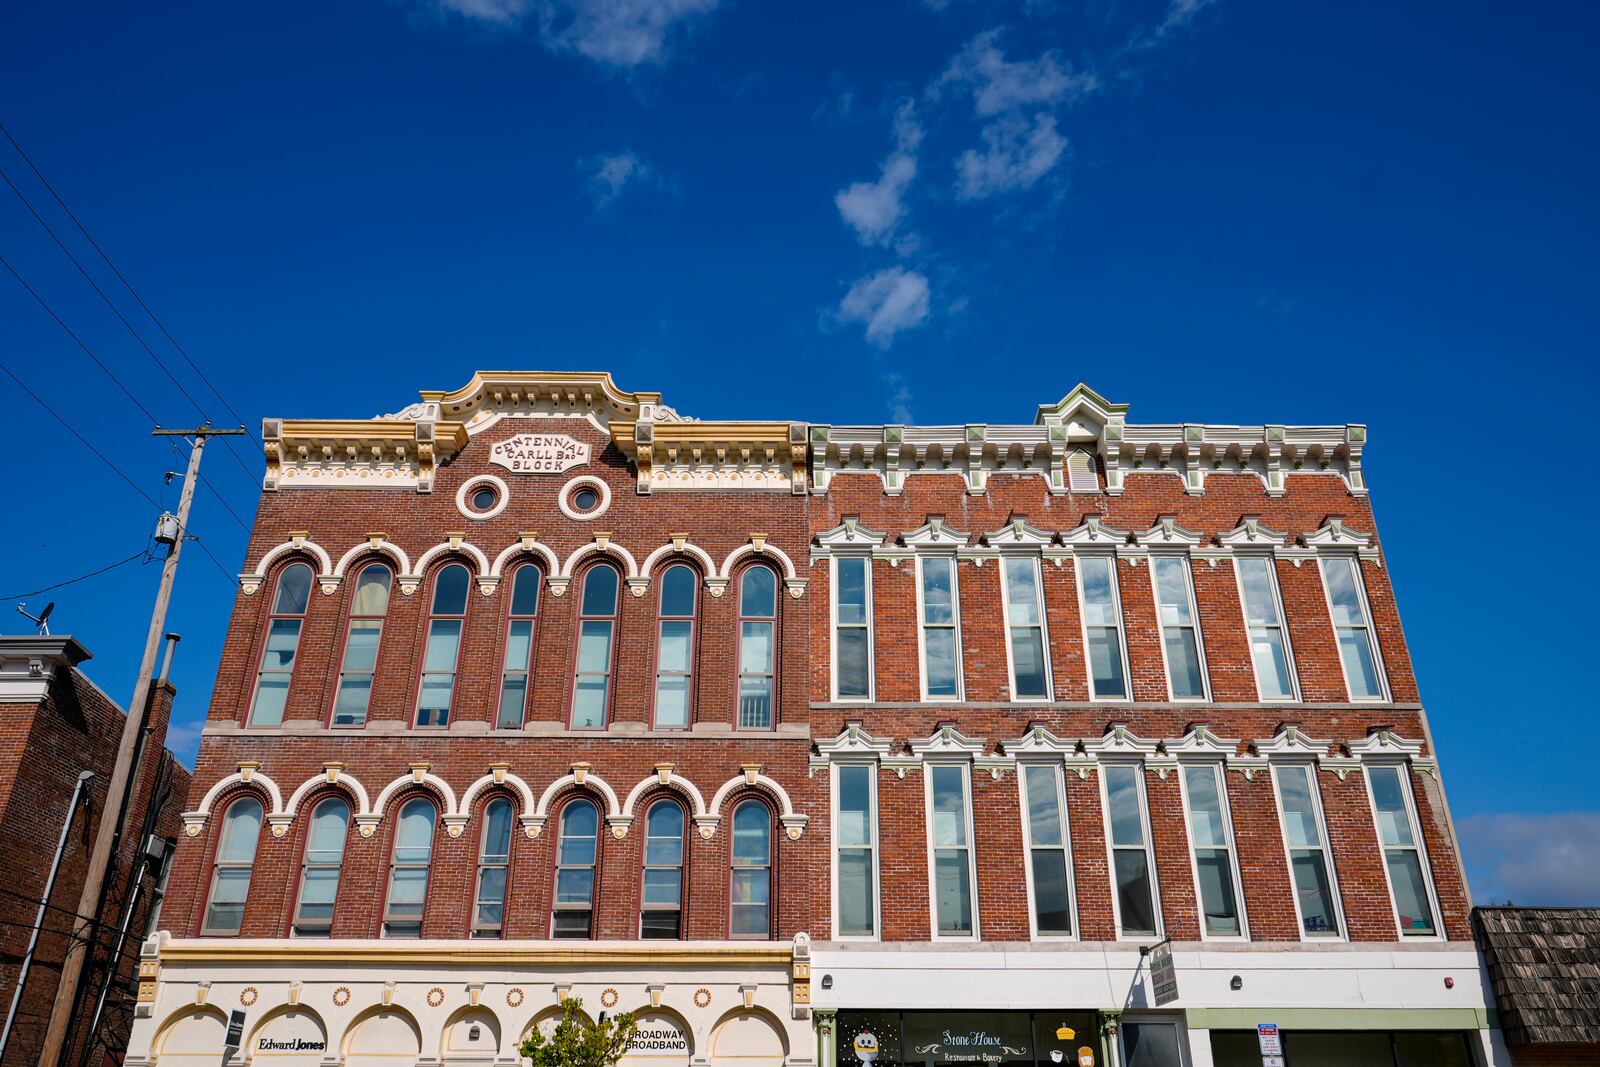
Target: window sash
757,673
592,680
949,800
572,906
939,618
363,638
1405,862
1352,627
1271,657
1045,828
437,691
674,672
276,671
1101,604
1179,618
1305,842
1211,841
855,848
1133,876
852,629
1027,641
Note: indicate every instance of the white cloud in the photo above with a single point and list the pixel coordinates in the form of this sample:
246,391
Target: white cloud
610,175
1178,15
621,33
999,85
874,209
1015,156
183,739
887,302
899,402
1545,860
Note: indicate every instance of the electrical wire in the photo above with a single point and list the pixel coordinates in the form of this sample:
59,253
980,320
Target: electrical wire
141,554
37,173
117,312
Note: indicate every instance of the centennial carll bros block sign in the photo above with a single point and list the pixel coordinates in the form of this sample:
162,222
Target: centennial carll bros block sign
539,453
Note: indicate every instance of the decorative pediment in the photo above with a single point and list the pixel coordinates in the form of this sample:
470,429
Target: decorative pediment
1121,742
1250,534
1334,534
1200,743
1290,742
1167,534
1383,743
1040,742
1092,533
1082,413
948,742
1018,534
935,536
853,743
849,536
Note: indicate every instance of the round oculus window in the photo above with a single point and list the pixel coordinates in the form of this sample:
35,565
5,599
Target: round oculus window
484,498
585,499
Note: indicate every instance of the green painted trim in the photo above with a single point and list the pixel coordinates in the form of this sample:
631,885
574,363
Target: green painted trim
1343,1018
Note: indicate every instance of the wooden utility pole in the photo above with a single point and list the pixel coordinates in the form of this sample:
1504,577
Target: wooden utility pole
85,925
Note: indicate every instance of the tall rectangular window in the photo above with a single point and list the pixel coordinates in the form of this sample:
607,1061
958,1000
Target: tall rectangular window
1308,854
290,600
1102,627
852,627
524,612
1263,615
950,835
1347,602
1044,819
1211,836
855,833
1180,628
367,609
1026,644
1400,837
941,634
446,617
1132,866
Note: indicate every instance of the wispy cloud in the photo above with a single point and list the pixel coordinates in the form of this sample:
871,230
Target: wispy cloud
183,738
892,300
999,85
875,209
899,402
608,176
1015,155
617,33
1179,14
1533,859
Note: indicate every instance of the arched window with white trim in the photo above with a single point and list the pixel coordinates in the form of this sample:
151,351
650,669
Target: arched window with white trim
597,631
494,862
446,618
520,631
363,633
675,651
290,599
576,853
319,870
661,903
409,866
230,876
758,647
750,899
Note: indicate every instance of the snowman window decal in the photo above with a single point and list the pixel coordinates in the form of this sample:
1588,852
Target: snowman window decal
866,1046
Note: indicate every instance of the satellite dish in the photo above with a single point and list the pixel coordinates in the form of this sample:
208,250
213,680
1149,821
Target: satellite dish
42,620
44,615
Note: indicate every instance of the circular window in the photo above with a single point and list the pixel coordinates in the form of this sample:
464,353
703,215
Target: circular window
482,497
585,497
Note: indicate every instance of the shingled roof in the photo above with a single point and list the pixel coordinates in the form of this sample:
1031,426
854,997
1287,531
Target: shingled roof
1544,964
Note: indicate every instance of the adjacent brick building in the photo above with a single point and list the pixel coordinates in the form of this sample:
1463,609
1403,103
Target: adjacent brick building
537,686
55,725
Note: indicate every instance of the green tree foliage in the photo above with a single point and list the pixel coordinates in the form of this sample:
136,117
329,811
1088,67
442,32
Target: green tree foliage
576,1042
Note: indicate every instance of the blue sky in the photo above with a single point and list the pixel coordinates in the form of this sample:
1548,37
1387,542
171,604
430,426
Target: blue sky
1215,210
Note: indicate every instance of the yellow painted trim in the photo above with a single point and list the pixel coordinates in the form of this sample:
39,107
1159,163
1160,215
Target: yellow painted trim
600,380
592,953
446,433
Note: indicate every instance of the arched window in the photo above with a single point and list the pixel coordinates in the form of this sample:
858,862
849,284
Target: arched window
236,856
758,622
597,627
675,647
445,619
494,857
751,895
661,909
289,602
319,874
573,913
367,608
519,647
408,869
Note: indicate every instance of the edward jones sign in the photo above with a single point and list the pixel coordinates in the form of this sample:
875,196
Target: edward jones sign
539,453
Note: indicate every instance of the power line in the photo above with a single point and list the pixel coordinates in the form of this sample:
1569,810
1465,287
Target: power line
125,283
117,312
141,554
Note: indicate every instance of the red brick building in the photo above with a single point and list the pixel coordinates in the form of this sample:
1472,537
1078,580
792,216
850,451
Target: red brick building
537,686
55,725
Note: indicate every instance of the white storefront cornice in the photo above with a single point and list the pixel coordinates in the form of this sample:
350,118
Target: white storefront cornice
28,664
1085,421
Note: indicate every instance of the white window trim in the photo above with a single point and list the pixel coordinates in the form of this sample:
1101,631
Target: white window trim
1283,627
1057,770
1149,849
922,629
1404,770
1383,696
1220,770
1122,628
1044,627
1161,627
965,767
1327,851
877,849
833,635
